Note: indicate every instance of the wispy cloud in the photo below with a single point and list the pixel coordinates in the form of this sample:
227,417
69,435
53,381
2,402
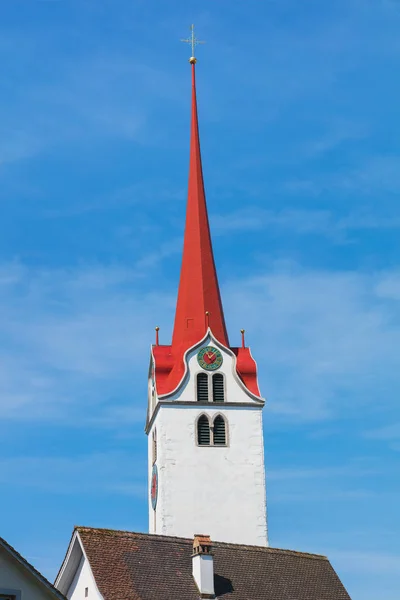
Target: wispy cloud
366,562
74,335
324,336
108,473
334,134
373,175
99,97
386,433
351,470
78,335
302,222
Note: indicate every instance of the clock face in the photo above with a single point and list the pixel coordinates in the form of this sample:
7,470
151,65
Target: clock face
209,358
154,487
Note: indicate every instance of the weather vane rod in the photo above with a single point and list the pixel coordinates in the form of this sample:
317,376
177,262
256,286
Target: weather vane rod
194,42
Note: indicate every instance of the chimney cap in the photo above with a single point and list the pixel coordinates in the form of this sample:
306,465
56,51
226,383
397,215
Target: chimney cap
201,543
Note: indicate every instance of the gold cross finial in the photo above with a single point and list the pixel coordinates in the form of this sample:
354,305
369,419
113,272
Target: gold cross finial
194,42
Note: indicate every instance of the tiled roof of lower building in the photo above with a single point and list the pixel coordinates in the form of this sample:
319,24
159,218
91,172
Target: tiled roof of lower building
137,566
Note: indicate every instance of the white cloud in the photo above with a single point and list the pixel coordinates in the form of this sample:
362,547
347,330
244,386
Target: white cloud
101,96
325,342
365,562
75,342
386,433
106,473
372,176
389,287
351,470
71,341
302,222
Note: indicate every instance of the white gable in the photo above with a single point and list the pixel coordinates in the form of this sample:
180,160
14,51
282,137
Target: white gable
83,581
18,580
75,579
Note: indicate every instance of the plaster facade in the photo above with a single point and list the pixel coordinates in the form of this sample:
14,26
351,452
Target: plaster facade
83,580
75,576
216,490
18,580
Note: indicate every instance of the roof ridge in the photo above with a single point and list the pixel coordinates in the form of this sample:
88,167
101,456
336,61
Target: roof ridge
176,539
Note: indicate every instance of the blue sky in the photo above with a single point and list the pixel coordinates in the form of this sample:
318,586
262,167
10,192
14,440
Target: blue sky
298,106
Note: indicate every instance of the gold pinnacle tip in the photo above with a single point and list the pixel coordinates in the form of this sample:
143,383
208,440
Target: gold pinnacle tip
157,328
193,60
242,331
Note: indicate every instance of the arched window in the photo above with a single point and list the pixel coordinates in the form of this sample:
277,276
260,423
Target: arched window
219,431
203,431
218,387
154,439
202,387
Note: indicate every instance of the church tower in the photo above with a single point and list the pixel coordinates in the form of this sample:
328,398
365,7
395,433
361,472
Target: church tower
204,420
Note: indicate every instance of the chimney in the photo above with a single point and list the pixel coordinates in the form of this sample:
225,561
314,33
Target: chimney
203,565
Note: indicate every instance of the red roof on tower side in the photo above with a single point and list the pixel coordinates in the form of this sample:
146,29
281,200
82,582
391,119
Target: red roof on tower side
246,368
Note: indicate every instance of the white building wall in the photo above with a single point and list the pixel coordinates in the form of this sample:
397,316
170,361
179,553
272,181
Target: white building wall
14,576
215,490
83,579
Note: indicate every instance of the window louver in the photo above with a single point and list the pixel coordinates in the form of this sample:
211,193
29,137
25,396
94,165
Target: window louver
203,431
218,388
219,431
202,387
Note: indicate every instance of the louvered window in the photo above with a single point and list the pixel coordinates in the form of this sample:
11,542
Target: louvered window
203,431
218,387
219,431
202,387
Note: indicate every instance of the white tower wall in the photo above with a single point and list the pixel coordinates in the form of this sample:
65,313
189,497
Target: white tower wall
215,490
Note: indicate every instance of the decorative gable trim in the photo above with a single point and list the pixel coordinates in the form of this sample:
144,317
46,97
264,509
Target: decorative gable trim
214,340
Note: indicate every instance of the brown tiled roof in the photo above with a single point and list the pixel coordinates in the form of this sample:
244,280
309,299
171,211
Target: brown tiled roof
137,566
19,558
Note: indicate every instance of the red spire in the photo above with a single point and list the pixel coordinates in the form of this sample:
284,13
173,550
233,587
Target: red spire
199,302
198,287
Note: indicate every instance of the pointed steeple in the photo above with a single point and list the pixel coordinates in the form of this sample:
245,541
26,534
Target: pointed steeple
199,303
